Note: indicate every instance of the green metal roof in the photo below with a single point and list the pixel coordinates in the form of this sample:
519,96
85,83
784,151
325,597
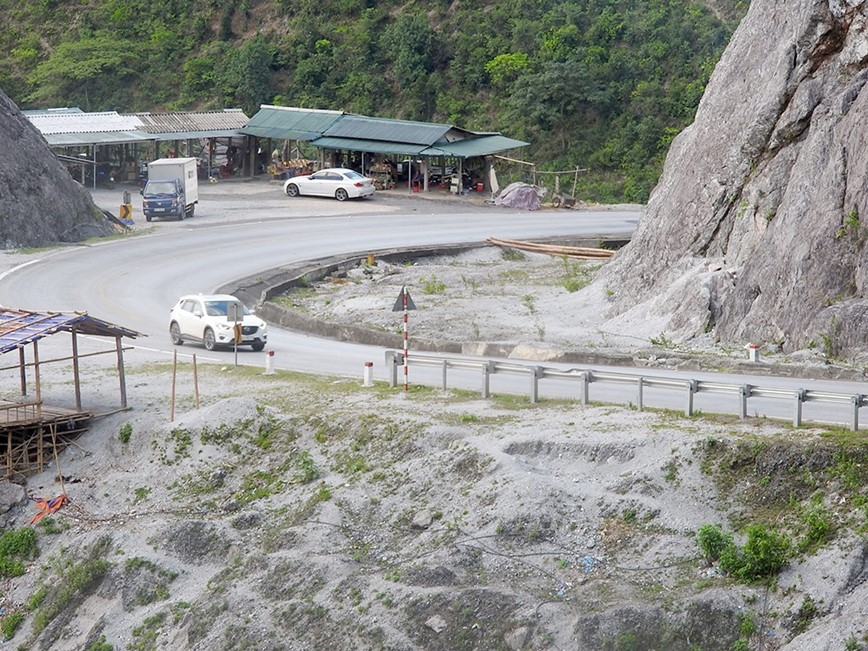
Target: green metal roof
370,146
482,145
390,131
290,123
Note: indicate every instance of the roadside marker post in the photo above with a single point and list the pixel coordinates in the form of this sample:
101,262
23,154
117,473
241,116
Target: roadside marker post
405,304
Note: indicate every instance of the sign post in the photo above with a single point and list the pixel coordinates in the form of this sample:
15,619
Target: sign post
235,315
405,304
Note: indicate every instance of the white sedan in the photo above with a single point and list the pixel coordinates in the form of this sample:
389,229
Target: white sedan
337,182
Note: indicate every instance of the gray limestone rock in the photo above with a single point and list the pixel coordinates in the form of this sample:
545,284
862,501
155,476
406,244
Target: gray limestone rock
40,203
770,182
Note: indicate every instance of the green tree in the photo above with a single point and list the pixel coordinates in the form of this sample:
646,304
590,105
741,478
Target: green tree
90,72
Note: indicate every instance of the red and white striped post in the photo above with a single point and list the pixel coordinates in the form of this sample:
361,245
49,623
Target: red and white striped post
405,301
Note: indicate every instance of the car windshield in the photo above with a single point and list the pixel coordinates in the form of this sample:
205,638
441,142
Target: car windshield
221,308
160,187
353,175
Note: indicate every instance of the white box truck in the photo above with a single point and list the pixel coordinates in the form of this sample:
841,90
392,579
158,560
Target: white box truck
172,189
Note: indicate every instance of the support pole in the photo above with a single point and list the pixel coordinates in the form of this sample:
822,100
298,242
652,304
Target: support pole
445,366
122,377
743,394
486,373
691,390
801,396
405,298
586,380
640,394
195,381
536,374
856,400
22,370
174,376
37,375
76,371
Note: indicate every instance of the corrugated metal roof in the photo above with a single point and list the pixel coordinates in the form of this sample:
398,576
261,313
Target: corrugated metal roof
371,146
53,123
290,123
87,139
482,145
20,327
188,125
392,131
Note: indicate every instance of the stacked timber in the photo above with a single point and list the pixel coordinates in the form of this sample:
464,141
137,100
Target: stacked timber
580,252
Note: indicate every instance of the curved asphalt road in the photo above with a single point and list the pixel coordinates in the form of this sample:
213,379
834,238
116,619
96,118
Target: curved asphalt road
245,228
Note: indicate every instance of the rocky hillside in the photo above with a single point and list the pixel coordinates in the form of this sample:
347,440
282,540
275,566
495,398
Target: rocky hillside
325,516
758,228
40,203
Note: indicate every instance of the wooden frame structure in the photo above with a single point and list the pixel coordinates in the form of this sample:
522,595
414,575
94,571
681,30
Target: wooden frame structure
30,429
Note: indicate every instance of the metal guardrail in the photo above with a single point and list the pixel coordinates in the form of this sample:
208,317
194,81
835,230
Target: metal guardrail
586,377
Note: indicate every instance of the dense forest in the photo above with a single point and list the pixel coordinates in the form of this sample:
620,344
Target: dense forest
597,84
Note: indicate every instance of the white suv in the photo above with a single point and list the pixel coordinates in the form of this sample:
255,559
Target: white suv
211,318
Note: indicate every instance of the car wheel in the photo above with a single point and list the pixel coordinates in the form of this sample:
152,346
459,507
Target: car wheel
191,209
257,345
210,342
175,333
148,217
341,194
291,190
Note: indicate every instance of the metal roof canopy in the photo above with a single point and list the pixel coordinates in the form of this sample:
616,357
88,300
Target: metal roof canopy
290,123
369,146
193,125
482,145
66,128
20,328
386,130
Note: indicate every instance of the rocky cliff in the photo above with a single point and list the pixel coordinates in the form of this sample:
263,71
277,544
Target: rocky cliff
758,228
40,203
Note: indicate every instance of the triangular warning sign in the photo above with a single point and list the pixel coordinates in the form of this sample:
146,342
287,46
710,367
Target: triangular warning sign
399,304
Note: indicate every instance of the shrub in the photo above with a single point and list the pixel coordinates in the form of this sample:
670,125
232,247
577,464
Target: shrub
9,624
762,557
712,541
16,546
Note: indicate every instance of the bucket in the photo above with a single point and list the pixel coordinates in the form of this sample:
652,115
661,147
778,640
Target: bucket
480,187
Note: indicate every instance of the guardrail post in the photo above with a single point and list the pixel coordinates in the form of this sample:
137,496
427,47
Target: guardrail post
692,387
445,366
587,378
393,361
857,402
640,398
801,396
487,367
535,374
743,394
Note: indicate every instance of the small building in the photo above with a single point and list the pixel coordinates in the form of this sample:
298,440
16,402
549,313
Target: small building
420,154
31,429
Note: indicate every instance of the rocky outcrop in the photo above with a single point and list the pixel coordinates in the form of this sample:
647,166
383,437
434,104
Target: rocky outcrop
40,203
758,228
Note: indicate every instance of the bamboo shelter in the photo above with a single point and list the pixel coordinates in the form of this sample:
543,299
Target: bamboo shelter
32,432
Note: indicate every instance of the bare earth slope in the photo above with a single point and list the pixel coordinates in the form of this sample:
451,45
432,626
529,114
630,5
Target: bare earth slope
293,513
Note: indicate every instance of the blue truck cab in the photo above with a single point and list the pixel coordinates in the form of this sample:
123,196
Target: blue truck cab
172,189
163,199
